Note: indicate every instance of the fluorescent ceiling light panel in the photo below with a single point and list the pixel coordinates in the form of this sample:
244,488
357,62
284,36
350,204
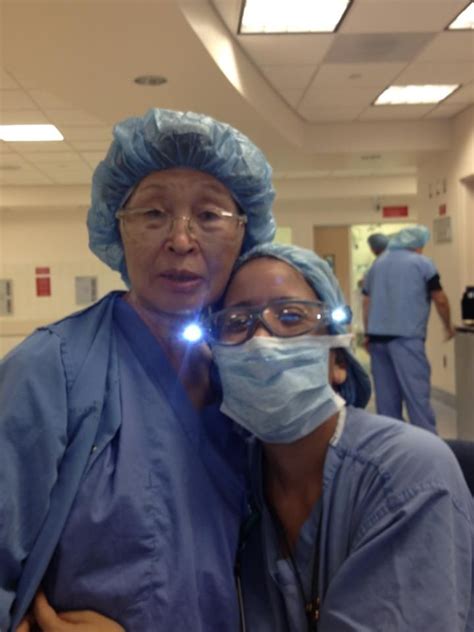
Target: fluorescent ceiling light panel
414,95
29,133
465,20
292,16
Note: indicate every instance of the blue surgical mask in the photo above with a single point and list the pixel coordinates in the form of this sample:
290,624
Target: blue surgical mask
278,388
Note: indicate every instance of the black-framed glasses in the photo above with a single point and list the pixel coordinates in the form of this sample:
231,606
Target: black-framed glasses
151,224
283,318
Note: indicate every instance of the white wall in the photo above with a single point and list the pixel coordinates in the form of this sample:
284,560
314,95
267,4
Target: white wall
455,260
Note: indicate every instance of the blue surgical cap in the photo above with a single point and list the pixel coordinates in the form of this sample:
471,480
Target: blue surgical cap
164,139
356,389
378,242
410,238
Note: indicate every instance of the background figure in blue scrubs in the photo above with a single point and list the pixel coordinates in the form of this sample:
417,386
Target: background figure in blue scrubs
360,522
398,291
121,483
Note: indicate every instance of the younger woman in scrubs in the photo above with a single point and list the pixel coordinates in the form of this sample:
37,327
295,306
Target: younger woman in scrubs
359,522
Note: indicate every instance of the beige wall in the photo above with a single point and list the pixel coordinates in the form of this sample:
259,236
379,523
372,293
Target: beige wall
455,260
56,239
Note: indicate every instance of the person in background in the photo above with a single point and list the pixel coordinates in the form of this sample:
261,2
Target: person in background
398,291
122,486
359,522
377,243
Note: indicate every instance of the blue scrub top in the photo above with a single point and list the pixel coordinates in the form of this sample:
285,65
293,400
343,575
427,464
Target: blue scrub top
399,298
396,542
152,535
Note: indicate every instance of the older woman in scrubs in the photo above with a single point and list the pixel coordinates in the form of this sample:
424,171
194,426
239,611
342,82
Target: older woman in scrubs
122,489
360,522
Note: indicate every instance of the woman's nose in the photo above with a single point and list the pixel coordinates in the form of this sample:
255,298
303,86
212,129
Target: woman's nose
180,237
262,330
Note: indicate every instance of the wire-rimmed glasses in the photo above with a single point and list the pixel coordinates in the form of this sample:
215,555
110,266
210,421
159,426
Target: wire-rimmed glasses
152,224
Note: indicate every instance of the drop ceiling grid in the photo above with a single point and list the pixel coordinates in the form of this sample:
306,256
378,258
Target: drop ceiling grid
297,66
47,162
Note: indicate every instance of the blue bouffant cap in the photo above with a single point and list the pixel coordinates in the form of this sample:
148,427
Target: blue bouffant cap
356,389
378,242
410,238
165,139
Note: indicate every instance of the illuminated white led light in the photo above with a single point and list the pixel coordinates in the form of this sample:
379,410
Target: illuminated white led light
192,333
465,20
29,133
413,95
292,16
339,315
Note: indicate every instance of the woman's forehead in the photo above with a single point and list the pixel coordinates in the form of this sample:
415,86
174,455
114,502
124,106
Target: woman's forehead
170,180
265,278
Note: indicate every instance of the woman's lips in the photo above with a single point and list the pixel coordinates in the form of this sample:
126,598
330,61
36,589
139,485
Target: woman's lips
181,280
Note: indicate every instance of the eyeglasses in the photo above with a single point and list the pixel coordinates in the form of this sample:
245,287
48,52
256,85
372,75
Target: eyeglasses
281,317
152,224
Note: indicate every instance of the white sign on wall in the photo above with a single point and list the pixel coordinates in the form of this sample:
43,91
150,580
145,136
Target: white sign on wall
442,230
86,290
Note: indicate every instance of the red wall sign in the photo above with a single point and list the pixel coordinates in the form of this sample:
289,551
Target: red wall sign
442,209
43,282
395,211
43,286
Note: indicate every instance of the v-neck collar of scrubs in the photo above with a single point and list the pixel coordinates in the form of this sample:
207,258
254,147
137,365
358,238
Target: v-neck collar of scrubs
157,366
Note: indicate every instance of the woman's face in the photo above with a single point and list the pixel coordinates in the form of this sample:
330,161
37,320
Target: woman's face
176,272
264,279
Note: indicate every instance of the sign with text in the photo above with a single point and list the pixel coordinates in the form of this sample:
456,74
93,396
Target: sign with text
395,211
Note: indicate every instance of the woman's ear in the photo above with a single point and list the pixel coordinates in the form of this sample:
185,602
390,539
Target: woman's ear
338,368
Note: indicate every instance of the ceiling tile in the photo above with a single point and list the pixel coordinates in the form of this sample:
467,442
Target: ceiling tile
446,110
376,48
71,117
465,94
288,77
7,82
15,99
268,50
84,133
26,176
292,97
77,173
449,47
49,101
395,112
339,95
47,146
328,114
437,73
22,117
389,17
358,75
53,157
91,145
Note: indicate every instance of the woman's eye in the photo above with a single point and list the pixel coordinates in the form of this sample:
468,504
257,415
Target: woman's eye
154,214
291,316
236,323
208,215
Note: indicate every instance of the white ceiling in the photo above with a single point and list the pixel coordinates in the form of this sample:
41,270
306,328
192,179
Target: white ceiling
306,99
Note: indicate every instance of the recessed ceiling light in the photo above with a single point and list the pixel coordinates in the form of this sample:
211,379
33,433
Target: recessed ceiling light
29,133
291,16
465,20
413,95
150,80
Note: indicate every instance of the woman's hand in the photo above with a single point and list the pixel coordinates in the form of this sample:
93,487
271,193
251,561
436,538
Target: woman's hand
49,620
